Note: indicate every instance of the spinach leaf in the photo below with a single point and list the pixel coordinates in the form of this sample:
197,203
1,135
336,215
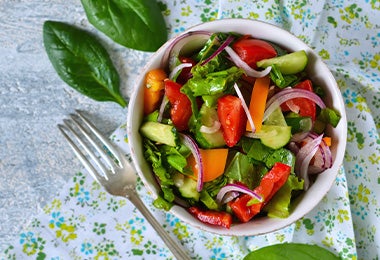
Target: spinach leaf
135,24
242,170
294,251
214,83
82,62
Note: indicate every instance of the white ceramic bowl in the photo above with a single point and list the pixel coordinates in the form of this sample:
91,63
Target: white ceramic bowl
318,72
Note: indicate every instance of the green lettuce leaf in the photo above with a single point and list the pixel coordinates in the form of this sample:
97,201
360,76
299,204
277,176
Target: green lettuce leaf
279,205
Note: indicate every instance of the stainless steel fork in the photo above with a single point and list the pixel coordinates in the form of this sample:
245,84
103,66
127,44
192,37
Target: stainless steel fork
110,168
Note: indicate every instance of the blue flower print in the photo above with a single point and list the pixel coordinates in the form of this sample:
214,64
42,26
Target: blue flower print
87,248
27,237
56,220
83,196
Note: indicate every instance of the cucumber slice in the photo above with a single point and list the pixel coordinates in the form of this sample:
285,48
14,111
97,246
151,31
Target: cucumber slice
188,188
291,63
276,118
158,132
207,117
275,136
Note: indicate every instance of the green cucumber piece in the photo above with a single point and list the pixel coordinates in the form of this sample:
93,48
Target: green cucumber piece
276,118
291,63
275,136
207,117
161,133
187,187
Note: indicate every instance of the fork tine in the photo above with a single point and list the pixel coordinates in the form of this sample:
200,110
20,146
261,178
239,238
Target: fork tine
84,145
104,140
98,148
82,158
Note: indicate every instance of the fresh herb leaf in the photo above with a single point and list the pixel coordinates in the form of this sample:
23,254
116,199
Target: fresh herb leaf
82,62
135,24
294,251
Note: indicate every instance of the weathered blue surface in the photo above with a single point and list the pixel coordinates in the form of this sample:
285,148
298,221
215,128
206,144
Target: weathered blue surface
34,158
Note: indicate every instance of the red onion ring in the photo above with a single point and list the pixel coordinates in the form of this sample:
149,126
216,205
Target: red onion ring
196,38
189,142
293,107
290,93
322,158
219,50
245,107
210,129
179,68
161,110
236,188
241,64
303,158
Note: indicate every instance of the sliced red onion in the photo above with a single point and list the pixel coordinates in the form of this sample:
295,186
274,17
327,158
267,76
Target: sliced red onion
210,129
245,107
189,142
236,188
178,68
242,64
303,158
322,158
219,50
298,137
293,107
184,43
164,102
293,147
229,197
290,93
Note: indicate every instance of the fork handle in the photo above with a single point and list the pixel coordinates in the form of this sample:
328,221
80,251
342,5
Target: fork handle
177,251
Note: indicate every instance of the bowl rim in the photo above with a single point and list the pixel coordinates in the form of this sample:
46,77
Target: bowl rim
253,227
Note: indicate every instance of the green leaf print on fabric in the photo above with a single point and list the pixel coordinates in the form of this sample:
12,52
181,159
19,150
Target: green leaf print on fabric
332,20
99,228
354,135
31,244
106,250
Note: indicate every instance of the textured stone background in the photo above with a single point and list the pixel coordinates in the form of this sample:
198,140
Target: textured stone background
35,161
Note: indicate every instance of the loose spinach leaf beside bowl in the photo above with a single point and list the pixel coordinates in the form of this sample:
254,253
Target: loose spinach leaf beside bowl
291,251
82,62
135,24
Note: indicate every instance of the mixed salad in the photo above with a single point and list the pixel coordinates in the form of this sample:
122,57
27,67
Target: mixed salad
234,127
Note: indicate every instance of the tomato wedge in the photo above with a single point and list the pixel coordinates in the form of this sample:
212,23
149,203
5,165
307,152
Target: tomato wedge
253,50
306,106
232,119
269,185
180,111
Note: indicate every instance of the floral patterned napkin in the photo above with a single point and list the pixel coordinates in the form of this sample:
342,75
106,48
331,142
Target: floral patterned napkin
84,222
